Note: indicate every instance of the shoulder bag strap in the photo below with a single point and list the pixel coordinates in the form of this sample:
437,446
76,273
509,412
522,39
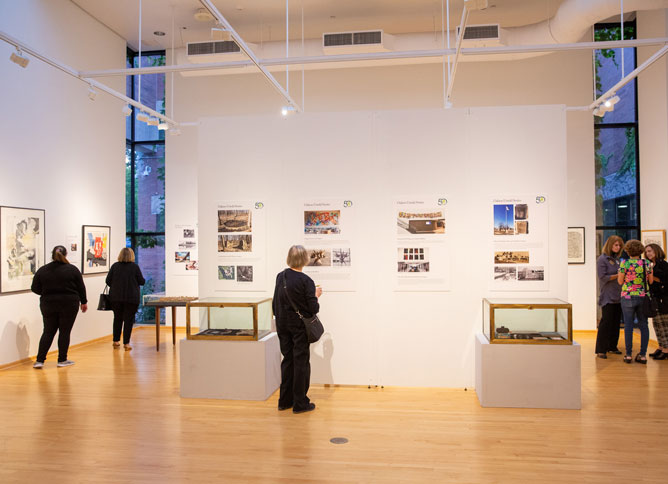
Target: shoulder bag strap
285,289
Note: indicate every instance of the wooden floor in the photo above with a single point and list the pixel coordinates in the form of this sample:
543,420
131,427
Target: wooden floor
117,417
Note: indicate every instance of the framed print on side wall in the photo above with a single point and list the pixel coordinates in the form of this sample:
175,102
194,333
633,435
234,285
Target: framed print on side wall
95,241
576,245
22,247
657,237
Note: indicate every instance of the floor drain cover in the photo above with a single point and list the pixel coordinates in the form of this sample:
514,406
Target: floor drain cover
339,440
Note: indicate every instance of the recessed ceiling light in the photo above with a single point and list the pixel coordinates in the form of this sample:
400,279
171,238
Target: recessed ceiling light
159,33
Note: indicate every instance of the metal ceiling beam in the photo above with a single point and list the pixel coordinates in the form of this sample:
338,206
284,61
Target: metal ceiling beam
458,51
247,50
408,54
78,75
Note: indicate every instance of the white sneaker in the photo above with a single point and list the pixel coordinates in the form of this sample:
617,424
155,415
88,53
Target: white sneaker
65,363
38,365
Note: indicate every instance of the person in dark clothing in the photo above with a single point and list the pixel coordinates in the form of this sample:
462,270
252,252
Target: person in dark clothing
124,279
62,289
659,292
295,367
607,267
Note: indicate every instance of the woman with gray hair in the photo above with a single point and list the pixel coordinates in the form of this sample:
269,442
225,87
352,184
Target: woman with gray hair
294,288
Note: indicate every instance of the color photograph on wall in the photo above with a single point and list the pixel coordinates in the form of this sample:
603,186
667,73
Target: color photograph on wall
95,249
423,259
519,239
240,245
328,236
22,247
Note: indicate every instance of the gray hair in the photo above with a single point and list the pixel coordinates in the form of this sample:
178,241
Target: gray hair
297,257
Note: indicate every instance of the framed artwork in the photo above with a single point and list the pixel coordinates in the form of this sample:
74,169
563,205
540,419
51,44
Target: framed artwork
22,247
576,245
95,241
657,237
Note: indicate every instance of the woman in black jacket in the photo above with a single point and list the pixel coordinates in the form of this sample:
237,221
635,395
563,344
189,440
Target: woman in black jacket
292,285
61,288
659,291
124,279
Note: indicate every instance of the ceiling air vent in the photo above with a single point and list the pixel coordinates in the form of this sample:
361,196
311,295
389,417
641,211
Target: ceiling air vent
356,42
213,51
482,35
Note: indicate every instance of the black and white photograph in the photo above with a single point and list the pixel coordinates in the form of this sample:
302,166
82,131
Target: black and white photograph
226,273
412,266
234,221
244,273
341,257
235,243
188,233
530,273
187,244
319,257
502,273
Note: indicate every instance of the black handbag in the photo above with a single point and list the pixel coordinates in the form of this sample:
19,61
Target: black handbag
650,305
104,304
314,328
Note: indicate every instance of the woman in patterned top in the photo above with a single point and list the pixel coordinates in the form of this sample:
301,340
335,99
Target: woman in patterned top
659,292
632,275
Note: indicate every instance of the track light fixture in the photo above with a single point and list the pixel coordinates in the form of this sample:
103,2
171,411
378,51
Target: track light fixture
92,93
19,59
607,106
127,110
163,126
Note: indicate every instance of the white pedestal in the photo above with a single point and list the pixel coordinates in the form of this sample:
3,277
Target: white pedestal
527,376
233,370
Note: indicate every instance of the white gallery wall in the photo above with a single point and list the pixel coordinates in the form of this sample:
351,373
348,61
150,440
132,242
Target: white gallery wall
376,335
558,78
59,151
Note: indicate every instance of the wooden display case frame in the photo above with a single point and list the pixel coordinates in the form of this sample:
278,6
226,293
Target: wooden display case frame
257,334
529,307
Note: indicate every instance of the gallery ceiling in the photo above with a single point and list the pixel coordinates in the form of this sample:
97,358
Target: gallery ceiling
264,20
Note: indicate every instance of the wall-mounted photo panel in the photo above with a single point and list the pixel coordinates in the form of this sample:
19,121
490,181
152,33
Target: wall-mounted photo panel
423,259
329,228
186,241
22,247
576,245
519,243
95,240
241,246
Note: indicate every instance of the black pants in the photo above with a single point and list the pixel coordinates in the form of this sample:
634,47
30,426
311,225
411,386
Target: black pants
58,316
608,328
296,366
124,318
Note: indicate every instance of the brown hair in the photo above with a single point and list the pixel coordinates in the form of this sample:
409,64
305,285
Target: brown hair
612,240
658,251
634,248
297,257
58,254
126,255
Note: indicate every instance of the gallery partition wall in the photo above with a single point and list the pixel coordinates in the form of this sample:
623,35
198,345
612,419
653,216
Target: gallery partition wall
145,177
616,140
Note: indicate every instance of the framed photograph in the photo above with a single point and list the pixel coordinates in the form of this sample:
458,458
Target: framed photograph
576,245
657,237
95,240
22,247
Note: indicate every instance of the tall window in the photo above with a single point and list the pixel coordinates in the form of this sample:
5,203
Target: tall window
616,140
145,178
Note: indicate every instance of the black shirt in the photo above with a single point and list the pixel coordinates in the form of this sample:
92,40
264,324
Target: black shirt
58,281
659,290
124,279
301,289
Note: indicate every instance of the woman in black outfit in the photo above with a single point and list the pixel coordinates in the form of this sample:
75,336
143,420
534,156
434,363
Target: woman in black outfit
607,267
61,288
124,279
659,291
295,367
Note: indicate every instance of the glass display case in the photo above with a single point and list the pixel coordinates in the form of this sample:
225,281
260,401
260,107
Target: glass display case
528,321
229,318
